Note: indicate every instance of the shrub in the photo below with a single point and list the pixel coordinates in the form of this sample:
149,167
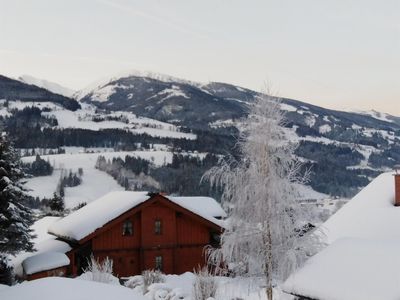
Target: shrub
150,277
100,271
204,285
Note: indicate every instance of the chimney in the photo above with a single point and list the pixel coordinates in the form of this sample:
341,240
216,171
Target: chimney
397,185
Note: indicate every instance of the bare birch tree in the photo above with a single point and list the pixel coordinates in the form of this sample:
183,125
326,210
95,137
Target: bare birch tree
264,233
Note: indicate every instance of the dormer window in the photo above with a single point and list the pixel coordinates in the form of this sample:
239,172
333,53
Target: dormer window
157,227
127,228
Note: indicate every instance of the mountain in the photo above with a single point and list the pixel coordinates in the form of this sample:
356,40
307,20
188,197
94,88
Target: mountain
344,150
48,85
11,89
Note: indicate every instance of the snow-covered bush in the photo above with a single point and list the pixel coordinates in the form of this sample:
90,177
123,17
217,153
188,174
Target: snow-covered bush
150,277
204,285
100,271
158,291
135,283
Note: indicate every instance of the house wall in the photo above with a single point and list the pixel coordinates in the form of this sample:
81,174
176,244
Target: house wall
180,244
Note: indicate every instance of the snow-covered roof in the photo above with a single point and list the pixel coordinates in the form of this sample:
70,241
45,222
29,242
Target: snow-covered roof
370,214
59,288
350,269
203,206
94,215
44,261
43,242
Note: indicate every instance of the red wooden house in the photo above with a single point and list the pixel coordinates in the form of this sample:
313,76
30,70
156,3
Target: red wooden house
141,231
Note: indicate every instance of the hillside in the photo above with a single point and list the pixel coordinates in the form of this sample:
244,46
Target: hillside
48,85
345,150
11,89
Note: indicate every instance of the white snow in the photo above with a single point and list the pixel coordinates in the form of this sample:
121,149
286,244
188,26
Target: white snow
44,261
66,289
95,183
287,107
174,91
350,269
203,206
82,118
43,242
377,115
48,85
86,220
370,214
324,128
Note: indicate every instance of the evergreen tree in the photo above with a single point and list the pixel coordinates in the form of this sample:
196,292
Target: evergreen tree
57,203
15,217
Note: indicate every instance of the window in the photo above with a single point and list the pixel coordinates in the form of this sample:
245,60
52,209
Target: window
127,228
158,263
157,227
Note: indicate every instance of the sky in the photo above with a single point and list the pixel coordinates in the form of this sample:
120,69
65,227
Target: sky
337,54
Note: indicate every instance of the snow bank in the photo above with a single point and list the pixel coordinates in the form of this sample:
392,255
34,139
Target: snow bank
44,261
66,289
370,214
94,215
350,269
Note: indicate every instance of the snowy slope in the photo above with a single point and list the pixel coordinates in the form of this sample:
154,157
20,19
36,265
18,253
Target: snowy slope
48,85
94,184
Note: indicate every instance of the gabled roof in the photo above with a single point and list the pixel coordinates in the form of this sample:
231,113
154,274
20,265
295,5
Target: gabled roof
363,260
96,214
370,214
350,269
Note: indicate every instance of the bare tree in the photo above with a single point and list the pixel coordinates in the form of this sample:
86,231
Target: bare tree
265,232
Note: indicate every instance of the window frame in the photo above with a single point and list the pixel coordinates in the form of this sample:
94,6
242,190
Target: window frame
127,228
158,227
158,262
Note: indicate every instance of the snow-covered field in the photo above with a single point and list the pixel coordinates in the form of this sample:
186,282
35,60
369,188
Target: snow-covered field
83,119
95,183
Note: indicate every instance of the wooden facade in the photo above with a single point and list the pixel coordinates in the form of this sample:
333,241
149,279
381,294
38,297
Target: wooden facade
56,272
157,234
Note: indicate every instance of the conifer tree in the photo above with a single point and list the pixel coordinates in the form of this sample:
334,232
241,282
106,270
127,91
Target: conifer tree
15,217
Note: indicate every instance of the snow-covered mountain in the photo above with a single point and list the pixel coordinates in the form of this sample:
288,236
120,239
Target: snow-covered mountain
11,89
345,150
48,85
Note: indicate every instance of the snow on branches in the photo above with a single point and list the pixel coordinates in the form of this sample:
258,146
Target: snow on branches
265,227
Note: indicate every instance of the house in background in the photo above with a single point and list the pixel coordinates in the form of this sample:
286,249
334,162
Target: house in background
138,231
362,260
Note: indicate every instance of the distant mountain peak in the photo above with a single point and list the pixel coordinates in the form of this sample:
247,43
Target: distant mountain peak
48,85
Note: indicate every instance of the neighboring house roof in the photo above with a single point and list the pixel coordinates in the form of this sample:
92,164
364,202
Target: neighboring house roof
350,269
96,214
370,214
362,260
43,242
44,261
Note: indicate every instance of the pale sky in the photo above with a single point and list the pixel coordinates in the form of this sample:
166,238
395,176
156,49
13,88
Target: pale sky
338,54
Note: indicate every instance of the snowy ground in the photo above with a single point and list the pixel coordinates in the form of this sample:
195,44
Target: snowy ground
83,118
95,183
